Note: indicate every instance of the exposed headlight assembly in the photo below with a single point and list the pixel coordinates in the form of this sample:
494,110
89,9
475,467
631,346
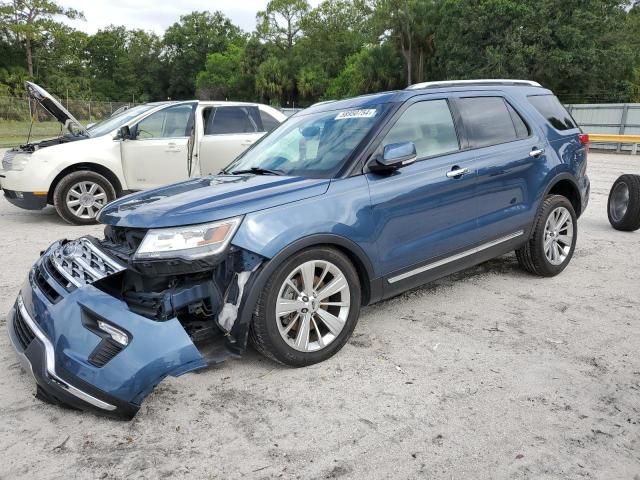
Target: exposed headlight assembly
189,242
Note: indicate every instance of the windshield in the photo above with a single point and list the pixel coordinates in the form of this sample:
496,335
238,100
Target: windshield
314,145
117,121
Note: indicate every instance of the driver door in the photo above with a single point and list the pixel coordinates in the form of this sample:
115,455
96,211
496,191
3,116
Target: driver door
158,152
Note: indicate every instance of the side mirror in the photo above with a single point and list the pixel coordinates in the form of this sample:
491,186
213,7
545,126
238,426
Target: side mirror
125,133
395,156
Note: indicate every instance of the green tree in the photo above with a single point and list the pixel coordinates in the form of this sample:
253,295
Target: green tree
187,44
575,47
280,22
372,69
333,31
28,20
226,75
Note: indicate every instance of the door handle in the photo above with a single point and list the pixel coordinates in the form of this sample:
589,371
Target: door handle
457,173
536,152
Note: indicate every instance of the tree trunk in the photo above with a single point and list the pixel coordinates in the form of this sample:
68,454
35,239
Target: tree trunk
420,77
29,57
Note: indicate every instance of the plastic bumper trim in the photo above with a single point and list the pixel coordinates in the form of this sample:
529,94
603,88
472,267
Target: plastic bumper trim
50,362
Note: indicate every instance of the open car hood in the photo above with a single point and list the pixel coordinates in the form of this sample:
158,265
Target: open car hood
55,108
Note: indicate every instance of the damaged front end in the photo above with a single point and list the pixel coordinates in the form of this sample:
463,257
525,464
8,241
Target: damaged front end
99,324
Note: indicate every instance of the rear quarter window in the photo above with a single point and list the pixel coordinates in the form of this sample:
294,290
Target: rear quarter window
490,121
550,108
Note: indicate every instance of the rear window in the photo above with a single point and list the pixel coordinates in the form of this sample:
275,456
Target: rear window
551,109
227,120
268,122
490,121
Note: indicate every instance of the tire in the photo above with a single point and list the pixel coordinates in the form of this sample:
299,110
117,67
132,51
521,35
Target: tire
623,206
534,256
70,189
289,348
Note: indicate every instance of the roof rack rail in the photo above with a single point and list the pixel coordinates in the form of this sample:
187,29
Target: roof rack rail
457,83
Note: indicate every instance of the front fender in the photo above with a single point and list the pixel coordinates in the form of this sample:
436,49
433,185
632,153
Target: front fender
342,217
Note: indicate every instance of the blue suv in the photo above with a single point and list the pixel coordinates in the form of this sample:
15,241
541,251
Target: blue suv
345,204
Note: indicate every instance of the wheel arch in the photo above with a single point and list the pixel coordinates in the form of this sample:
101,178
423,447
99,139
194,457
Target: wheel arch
565,185
371,286
88,166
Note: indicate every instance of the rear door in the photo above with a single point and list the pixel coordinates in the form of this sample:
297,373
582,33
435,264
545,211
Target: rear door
423,213
228,131
510,155
159,152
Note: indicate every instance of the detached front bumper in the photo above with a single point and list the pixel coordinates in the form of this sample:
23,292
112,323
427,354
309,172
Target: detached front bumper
53,331
53,384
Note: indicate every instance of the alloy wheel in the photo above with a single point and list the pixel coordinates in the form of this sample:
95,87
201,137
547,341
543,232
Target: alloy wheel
558,236
85,199
313,305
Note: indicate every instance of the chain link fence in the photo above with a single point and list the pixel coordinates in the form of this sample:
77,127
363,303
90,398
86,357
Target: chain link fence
19,109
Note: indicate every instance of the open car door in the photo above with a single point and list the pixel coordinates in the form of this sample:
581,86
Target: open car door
228,131
158,150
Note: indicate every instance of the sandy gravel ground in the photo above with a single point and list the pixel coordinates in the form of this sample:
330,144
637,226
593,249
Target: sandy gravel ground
491,373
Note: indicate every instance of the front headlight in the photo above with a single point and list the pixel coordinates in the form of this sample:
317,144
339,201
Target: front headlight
15,161
188,242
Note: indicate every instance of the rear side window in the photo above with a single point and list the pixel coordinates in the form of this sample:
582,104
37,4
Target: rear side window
491,121
429,126
268,122
226,120
551,109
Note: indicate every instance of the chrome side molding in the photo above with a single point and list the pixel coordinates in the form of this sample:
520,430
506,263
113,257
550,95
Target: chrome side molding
453,258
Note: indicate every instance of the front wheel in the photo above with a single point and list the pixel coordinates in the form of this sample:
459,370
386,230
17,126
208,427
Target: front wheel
308,309
551,246
80,196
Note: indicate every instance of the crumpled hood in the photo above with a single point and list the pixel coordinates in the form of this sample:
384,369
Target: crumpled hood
208,199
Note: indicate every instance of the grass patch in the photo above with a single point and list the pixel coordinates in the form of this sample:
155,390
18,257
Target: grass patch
14,132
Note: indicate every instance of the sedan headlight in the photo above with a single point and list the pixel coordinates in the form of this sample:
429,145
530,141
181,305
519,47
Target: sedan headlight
15,161
188,242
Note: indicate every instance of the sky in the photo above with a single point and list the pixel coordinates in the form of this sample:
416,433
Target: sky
157,15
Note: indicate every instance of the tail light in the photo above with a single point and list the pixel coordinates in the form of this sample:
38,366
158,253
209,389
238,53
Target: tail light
584,139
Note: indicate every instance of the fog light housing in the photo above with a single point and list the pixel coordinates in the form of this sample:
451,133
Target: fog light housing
116,334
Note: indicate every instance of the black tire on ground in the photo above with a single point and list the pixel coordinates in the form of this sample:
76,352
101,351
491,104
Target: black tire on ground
67,183
264,333
531,256
623,206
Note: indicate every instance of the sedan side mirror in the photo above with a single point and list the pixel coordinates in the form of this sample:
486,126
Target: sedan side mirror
395,156
125,133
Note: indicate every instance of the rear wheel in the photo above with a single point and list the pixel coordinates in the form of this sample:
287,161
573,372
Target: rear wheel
308,309
624,203
79,196
551,246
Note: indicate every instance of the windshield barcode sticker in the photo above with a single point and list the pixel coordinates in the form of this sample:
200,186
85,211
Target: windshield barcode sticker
368,113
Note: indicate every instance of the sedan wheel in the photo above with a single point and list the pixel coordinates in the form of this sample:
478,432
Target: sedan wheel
79,196
85,199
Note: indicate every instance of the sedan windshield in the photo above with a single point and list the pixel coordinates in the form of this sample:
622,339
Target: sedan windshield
117,121
314,145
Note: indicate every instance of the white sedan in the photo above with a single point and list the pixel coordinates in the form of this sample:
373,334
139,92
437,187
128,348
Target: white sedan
140,148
